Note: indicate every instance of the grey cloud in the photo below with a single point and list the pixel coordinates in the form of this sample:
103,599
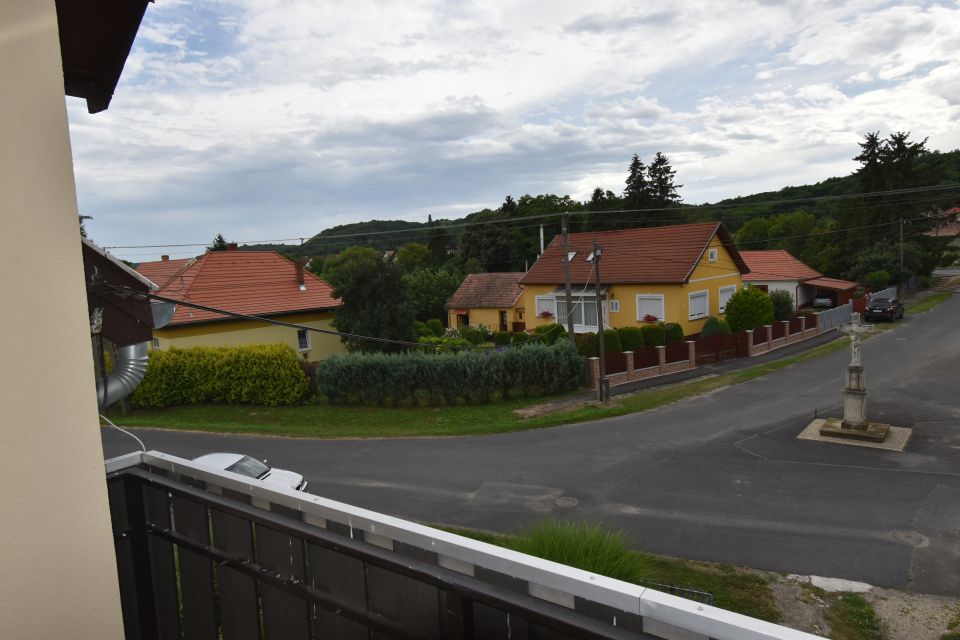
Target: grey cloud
601,23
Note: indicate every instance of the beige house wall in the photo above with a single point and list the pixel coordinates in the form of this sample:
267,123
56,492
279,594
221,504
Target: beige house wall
59,569
238,333
489,317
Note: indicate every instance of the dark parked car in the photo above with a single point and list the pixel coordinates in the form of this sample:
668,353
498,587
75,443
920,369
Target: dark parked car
885,308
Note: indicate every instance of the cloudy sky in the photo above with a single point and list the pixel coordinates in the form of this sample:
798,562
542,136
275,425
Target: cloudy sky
268,119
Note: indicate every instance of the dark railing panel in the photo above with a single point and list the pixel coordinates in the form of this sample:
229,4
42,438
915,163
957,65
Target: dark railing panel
677,352
196,574
238,592
335,573
519,326
778,330
644,357
740,339
412,603
795,325
760,335
284,614
616,361
166,600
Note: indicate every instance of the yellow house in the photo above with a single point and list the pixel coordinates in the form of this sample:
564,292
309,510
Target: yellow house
680,274
260,283
494,300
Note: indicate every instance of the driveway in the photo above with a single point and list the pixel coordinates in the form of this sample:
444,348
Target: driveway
719,477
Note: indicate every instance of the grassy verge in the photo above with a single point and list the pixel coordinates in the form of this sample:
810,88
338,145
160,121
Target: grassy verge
953,628
599,550
929,302
322,420
851,617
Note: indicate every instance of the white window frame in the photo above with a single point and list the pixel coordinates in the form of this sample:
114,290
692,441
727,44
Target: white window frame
156,343
582,302
706,294
546,303
306,334
614,306
712,254
651,296
723,303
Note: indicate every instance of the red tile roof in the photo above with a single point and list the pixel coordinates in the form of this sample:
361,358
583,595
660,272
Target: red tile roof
833,283
487,290
776,265
259,283
645,255
161,271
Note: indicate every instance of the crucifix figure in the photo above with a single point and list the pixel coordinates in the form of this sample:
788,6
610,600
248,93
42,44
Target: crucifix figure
854,329
855,383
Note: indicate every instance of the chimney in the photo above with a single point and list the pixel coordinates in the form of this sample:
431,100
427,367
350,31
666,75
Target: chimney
164,258
299,264
232,246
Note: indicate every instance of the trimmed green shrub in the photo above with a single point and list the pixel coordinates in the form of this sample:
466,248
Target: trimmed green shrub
611,340
749,308
473,335
588,345
713,327
501,338
421,329
450,376
522,337
631,338
265,374
782,304
436,327
674,333
654,335
445,341
551,332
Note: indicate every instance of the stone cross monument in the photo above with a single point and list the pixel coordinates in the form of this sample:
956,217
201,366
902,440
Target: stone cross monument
855,383
854,423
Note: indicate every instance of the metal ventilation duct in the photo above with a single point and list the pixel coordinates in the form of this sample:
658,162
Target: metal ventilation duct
128,371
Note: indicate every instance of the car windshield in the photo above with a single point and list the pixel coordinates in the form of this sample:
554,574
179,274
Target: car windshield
247,466
879,301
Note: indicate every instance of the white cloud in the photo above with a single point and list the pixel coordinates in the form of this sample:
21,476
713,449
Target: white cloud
277,118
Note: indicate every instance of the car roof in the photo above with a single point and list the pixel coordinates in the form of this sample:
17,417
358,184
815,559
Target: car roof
220,460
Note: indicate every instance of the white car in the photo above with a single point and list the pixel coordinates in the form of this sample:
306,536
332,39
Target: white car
253,468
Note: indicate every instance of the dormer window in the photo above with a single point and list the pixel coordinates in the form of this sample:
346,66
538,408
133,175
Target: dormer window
571,255
303,287
590,257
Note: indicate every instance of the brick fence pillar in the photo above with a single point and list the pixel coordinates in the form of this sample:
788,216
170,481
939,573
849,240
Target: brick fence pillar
786,328
769,328
593,367
661,357
803,324
629,356
691,352
749,342
816,323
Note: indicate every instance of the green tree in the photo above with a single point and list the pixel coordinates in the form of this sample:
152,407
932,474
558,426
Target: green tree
748,309
429,290
218,244
373,299
637,193
413,256
439,244
663,192
83,229
473,265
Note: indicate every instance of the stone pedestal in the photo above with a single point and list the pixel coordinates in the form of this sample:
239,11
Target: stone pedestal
855,398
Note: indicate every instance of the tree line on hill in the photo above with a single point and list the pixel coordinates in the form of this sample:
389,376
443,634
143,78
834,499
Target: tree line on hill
827,225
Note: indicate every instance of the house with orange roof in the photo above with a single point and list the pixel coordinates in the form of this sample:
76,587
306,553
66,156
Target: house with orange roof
679,274
779,270
259,283
494,300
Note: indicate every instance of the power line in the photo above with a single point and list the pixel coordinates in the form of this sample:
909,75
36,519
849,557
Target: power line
678,210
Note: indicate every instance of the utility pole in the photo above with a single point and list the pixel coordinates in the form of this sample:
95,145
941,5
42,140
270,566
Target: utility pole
564,220
901,250
603,393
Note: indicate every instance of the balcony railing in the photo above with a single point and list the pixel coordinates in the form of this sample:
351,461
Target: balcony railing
208,554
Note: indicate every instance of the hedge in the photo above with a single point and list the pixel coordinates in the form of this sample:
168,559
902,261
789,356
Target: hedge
654,335
501,338
471,376
588,345
550,332
631,338
265,374
674,333
611,340
713,327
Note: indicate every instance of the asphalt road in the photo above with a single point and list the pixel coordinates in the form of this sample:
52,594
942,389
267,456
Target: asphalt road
720,477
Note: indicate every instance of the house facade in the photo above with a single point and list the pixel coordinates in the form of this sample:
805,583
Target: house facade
494,300
259,283
779,270
679,274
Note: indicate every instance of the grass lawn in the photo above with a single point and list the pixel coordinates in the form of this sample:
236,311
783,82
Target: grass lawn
929,302
579,545
323,420
851,617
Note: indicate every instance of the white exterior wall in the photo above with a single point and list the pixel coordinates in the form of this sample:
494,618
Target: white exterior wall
801,294
59,568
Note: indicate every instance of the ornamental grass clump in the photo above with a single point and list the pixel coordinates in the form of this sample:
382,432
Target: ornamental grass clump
590,547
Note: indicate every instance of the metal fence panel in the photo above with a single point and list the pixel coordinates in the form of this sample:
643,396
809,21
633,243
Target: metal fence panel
677,352
284,615
238,592
196,574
